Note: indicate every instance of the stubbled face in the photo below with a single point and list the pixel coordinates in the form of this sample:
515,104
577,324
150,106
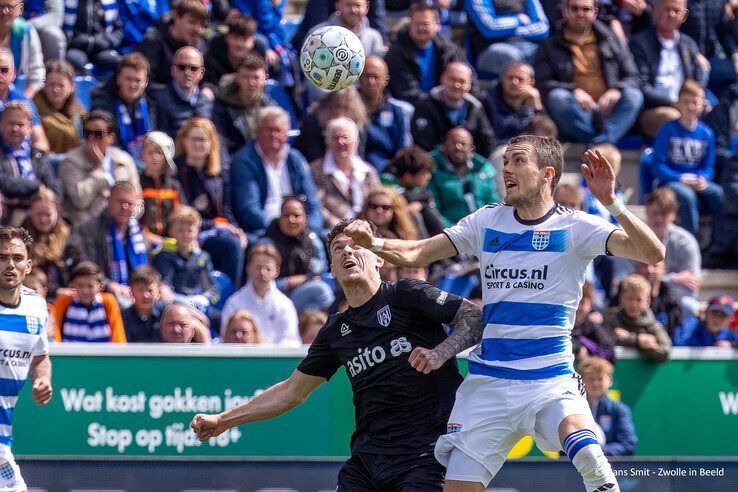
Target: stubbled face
14,264
132,84
514,80
459,147
634,302
15,127
579,15
250,83
241,331
524,181
596,384
178,326
350,263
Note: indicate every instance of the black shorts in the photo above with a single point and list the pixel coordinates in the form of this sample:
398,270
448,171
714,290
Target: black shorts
388,473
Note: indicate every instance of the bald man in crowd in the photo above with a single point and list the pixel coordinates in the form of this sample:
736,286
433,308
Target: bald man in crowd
451,105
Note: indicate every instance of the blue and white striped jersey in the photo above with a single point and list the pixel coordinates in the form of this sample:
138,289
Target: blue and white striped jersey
532,275
22,337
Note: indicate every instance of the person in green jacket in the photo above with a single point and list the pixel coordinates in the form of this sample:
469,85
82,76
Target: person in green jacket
463,181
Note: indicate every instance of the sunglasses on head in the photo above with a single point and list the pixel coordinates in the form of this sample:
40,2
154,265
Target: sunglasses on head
192,68
377,206
96,134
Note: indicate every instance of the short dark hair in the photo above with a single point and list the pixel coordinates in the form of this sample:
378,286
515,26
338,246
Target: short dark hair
542,126
87,269
8,233
664,199
194,7
422,6
411,160
242,25
338,229
134,60
100,114
145,275
548,153
253,61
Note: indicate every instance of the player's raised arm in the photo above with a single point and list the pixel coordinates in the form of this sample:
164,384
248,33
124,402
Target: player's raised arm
399,252
273,402
467,332
636,241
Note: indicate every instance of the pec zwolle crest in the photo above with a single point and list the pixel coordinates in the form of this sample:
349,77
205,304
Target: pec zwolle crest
540,239
384,316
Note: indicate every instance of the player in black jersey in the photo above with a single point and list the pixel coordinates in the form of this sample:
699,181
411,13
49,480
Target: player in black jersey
393,345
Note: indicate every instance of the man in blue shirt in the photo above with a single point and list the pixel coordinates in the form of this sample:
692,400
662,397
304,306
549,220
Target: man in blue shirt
8,93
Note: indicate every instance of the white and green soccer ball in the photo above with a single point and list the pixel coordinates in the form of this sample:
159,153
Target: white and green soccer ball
332,58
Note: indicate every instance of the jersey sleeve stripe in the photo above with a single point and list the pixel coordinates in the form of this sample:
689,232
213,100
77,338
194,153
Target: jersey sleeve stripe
527,314
11,387
556,241
502,349
552,371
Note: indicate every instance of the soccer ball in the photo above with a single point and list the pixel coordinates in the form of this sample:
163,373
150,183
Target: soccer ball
332,58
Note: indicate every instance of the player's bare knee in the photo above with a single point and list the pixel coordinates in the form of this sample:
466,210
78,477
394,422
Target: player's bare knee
459,486
574,423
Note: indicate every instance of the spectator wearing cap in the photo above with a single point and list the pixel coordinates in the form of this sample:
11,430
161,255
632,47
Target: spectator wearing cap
94,33
183,29
58,107
23,170
419,55
124,96
160,189
89,171
225,51
182,323
8,92
590,82
240,99
21,40
665,58
711,328
183,98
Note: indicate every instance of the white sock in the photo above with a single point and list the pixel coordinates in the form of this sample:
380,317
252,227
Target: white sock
586,454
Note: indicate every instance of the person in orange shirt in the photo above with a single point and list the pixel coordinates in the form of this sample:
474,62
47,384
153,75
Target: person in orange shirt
90,315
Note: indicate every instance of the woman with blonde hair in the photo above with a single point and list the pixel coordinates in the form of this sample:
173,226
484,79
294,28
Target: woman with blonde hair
388,210
242,328
60,110
203,172
52,251
346,103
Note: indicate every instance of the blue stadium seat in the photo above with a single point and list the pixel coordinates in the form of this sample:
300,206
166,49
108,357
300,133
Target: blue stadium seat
225,287
82,86
283,99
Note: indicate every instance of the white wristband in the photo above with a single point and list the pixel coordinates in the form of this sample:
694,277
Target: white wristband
616,208
377,245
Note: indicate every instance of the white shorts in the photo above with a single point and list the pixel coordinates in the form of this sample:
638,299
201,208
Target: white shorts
10,475
491,415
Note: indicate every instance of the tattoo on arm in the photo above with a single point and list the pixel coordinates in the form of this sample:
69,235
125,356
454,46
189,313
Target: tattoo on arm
468,328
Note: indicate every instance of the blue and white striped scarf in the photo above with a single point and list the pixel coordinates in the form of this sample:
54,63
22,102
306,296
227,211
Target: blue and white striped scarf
110,12
86,324
22,158
124,251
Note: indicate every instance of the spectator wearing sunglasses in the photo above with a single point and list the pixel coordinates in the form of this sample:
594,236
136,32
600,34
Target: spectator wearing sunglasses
182,98
162,43
88,172
8,92
23,169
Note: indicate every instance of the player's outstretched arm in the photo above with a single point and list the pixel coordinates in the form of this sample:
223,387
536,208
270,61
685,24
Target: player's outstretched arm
40,375
636,241
275,401
413,254
468,328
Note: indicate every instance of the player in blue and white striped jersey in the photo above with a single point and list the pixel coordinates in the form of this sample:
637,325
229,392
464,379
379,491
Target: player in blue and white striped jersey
532,254
24,346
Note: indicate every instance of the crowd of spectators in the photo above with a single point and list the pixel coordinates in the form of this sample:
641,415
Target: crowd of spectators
189,198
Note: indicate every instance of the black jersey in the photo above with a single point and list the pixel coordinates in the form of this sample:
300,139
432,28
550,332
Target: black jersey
398,409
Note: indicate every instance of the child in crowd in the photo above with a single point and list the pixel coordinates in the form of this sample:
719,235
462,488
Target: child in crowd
160,190
90,315
684,160
241,328
569,196
310,323
183,266
633,324
711,328
613,417
274,313
37,282
141,320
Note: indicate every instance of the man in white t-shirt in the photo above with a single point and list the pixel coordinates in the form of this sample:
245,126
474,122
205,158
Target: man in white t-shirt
274,313
24,346
532,255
